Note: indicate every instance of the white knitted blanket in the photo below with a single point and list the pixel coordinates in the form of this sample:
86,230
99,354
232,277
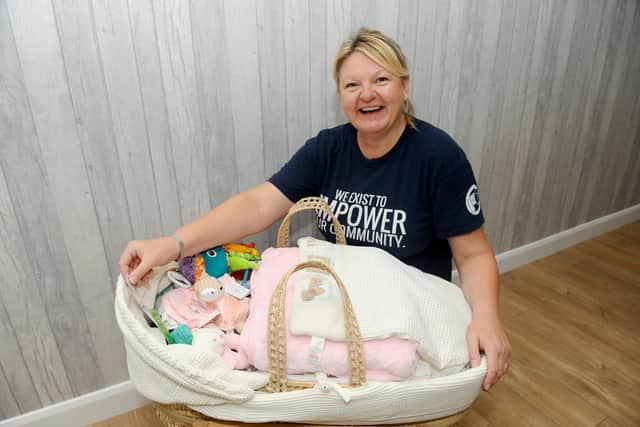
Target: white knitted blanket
391,298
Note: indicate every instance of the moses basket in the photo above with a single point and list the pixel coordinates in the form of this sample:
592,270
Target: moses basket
191,387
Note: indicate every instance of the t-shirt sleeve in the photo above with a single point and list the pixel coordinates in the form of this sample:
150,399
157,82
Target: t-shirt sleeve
457,207
298,177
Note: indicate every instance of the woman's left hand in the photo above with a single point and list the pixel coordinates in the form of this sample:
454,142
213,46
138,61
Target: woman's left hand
485,334
480,283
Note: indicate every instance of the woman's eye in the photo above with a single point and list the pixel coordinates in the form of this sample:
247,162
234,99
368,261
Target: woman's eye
350,85
382,79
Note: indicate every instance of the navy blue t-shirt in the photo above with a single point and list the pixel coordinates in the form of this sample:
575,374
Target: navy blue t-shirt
407,202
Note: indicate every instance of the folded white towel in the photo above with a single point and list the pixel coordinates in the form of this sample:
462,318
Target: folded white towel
391,298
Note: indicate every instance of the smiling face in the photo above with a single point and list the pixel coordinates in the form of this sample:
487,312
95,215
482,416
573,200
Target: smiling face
372,97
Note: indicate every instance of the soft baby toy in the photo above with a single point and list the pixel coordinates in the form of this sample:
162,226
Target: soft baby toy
220,260
196,306
234,311
208,289
241,261
215,261
241,247
206,303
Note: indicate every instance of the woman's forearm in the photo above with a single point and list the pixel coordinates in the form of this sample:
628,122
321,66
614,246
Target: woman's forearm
480,283
242,215
478,271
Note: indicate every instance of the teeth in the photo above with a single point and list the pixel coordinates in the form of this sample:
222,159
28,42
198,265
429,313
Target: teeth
369,109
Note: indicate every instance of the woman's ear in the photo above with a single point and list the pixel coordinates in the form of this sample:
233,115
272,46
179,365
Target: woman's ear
405,87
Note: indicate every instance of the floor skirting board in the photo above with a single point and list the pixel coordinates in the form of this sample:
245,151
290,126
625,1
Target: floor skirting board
530,252
120,398
83,410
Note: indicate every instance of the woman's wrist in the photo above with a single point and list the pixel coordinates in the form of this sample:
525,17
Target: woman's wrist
485,313
180,246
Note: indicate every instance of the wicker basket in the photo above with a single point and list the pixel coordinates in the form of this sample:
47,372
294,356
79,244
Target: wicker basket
182,416
175,415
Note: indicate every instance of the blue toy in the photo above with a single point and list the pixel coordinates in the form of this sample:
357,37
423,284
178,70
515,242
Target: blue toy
182,334
215,261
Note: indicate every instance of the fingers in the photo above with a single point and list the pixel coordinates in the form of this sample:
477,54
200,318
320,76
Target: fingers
140,256
497,364
492,372
486,335
129,259
503,361
140,271
474,349
133,263
504,370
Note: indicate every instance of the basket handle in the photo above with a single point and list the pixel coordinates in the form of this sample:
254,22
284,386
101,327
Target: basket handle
277,336
306,204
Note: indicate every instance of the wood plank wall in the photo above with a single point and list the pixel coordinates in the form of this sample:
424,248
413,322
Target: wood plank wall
127,118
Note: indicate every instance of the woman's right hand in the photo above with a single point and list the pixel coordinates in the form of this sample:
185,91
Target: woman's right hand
140,256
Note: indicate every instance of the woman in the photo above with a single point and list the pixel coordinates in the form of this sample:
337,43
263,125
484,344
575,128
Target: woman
392,180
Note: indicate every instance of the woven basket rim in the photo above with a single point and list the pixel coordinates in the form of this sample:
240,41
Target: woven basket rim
308,203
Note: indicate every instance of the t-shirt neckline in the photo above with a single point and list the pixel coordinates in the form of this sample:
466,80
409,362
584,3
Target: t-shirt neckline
353,139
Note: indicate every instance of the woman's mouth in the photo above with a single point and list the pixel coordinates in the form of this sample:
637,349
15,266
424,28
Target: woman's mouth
370,110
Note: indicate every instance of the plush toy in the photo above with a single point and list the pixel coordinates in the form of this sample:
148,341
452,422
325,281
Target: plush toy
182,334
241,247
241,261
211,292
193,267
217,261
208,289
188,268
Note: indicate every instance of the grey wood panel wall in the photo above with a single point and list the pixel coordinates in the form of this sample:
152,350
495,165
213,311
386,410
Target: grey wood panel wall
128,118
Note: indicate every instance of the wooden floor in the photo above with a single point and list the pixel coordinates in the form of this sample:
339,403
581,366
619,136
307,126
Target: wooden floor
574,323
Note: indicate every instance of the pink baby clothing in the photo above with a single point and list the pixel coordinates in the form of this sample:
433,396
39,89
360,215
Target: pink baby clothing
234,311
183,306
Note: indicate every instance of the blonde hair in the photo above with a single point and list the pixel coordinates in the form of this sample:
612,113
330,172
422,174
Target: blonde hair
381,49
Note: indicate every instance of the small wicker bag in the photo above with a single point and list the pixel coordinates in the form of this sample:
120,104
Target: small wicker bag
276,328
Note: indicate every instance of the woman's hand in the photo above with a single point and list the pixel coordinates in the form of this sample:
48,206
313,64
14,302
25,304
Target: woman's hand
140,256
480,283
485,334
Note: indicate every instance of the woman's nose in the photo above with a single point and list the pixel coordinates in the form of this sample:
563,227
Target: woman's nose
368,93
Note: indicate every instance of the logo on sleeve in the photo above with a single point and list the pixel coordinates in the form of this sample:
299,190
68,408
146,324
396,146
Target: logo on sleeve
473,200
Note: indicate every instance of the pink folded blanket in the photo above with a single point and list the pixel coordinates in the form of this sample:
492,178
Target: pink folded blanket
390,359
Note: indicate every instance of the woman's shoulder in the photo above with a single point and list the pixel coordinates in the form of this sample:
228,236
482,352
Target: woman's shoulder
434,143
338,132
332,140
